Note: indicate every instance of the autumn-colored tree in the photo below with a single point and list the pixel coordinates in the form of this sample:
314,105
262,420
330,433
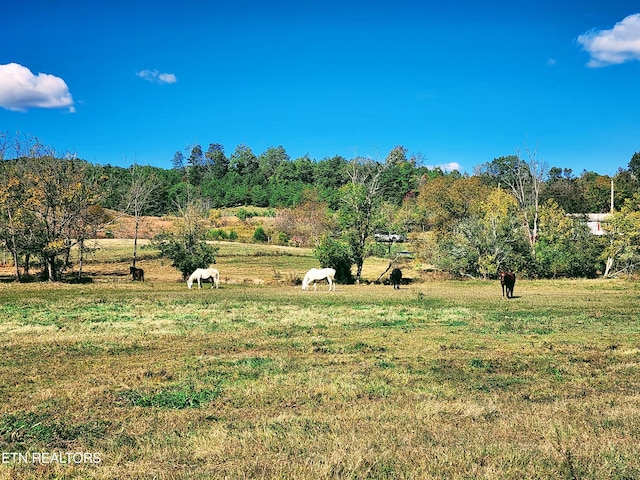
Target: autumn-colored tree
14,220
307,222
444,200
483,243
57,195
48,205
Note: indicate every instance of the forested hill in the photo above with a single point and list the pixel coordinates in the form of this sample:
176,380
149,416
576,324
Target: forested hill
512,213
272,179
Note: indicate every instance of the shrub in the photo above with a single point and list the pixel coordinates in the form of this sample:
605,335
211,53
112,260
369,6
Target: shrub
337,255
217,234
186,254
259,235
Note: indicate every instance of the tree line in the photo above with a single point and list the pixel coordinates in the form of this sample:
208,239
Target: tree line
512,212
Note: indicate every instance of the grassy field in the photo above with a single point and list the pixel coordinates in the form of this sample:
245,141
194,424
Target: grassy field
259,379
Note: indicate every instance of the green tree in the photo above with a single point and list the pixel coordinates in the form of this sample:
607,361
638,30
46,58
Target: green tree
563,188
259,235
330,174
244,162
196,166
359,210
186,244
400,178
271,159
333,253
178,161
634,165
625,184
596,190
218,163
566,247
623,251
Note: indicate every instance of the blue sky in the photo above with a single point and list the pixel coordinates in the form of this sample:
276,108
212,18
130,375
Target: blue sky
459,83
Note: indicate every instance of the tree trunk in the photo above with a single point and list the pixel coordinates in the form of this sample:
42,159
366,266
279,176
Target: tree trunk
51,268
609,264
359,264
14,248
135,240
14,254
387,269
81,247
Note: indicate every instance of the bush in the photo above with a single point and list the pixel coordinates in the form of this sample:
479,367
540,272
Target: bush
217,234
185,254
243,214
337,255
282,238
259,235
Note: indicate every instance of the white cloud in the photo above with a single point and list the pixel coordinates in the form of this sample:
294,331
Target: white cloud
156,77
446,167
615,46
20,90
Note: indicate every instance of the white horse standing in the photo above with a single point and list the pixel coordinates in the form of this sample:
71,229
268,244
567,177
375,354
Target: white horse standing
204,274
316,274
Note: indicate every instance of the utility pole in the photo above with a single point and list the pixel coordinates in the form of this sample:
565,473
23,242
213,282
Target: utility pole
612,195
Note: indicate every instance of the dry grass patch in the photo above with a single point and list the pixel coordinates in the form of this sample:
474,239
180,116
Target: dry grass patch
437,380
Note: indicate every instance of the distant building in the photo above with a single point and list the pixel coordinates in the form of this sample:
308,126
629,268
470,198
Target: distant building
595,221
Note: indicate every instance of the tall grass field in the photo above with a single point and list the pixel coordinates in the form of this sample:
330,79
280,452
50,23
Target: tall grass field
115,379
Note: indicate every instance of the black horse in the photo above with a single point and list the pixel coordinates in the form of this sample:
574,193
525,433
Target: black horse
136,274
507,280
396,278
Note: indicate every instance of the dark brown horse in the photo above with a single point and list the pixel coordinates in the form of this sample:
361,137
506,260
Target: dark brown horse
396,278
136,274
507,280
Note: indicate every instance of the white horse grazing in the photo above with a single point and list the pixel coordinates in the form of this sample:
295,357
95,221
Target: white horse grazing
204,274
316,274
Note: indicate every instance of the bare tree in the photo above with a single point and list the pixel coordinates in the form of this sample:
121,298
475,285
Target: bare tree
137,200
531,176
524,178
